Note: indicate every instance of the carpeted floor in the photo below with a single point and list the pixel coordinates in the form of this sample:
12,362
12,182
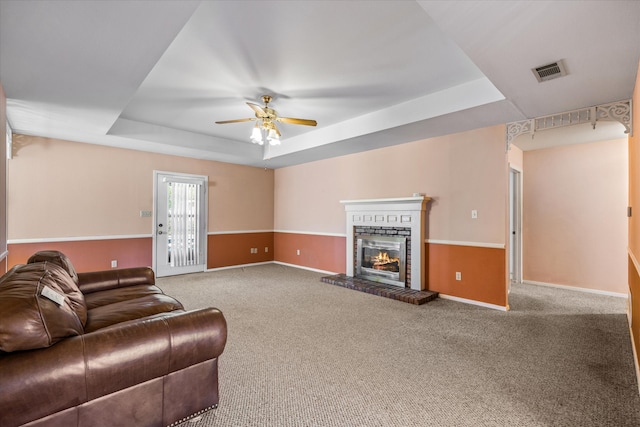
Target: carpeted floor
305,353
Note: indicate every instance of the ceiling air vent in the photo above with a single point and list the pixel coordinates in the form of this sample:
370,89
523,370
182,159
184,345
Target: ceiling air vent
550,71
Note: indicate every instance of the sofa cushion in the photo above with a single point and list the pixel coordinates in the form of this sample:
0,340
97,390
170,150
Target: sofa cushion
69,288
110,296
29,319
10,273
55,257
137,308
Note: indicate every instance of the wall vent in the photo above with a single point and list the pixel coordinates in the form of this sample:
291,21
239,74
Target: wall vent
550,71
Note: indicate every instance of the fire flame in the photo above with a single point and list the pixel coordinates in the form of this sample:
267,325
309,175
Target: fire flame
383,258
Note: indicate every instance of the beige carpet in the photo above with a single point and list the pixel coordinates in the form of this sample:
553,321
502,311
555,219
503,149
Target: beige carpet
305,353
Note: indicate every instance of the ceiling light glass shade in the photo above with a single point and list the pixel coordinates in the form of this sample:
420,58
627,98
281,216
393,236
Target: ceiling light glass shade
256,135
273,137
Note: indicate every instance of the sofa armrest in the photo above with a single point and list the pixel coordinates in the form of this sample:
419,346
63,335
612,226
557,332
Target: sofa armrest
133,352
109,279
53,377
41,382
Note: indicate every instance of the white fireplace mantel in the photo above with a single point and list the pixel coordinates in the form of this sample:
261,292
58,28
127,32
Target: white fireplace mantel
408,212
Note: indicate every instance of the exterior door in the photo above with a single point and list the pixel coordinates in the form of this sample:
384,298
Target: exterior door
180,221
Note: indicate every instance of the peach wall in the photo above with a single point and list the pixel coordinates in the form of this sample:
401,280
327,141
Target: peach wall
634,225
82,193
3,181
68,189
634,174
460,172
480,267
326,253
226,250
634,306
516,157
634,196
91,255
483,269
574,215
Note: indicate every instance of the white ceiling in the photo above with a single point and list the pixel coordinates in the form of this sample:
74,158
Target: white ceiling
156,75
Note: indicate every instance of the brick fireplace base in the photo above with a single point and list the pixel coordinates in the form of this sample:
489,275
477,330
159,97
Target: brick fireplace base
388,291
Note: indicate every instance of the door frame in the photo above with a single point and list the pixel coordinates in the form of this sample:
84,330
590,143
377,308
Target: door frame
515,225
205,214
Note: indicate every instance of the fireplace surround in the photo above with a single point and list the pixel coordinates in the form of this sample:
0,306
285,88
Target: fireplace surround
398,218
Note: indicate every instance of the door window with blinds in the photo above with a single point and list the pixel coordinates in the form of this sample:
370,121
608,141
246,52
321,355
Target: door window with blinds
180,223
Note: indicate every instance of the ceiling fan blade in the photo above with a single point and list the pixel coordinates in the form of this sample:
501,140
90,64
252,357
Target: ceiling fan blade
293,121
258,109
221,122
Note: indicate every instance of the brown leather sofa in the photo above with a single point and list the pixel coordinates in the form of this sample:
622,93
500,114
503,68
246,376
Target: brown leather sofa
102,348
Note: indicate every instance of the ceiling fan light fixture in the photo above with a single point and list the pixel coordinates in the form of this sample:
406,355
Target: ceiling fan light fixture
273,137
265,129
256,135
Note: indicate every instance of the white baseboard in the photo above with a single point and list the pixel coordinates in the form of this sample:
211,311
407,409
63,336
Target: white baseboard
78,238
238,266
305,268
473,302
461,243
271,262
575,288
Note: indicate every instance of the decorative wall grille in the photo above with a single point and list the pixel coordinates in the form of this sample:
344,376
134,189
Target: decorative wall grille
616,111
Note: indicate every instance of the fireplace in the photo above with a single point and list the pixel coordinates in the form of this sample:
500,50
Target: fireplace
402,218
382,259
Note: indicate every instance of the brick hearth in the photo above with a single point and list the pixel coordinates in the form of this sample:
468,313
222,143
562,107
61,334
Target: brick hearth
388,291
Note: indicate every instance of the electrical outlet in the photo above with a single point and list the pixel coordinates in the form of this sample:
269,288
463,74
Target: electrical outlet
297,251
266,249
114,263
474,214
458,275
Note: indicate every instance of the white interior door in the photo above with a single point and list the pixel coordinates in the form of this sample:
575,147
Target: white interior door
180,221
515,227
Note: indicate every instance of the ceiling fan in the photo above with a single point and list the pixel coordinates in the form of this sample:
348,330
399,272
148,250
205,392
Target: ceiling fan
266,119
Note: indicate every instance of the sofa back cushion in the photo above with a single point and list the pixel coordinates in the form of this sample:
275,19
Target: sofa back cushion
55,257
28,318
68,286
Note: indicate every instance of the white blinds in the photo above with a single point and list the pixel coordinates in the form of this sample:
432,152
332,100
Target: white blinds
184,245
